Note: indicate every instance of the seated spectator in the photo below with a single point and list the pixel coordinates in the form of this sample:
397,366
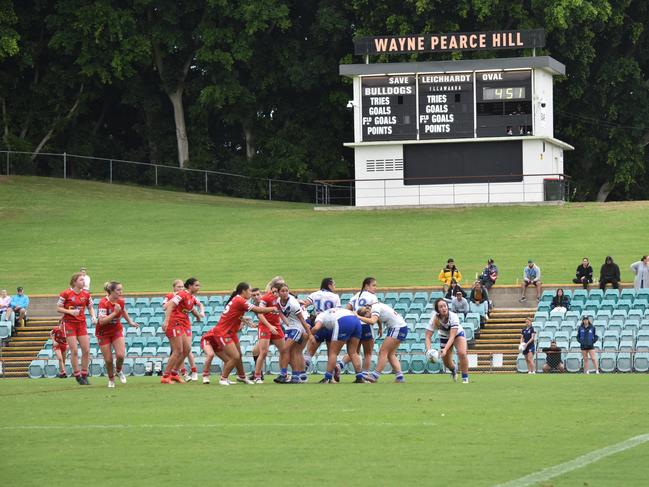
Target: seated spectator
609,274
560,302
584,273
640,270
453,290
448,274
459,304
19,303
531,277
5,310
553,362
489,274
479,302
587,337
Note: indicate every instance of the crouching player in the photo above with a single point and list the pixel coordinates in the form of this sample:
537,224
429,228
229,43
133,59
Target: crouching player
345,330
451,334
110,332
60,347
397,331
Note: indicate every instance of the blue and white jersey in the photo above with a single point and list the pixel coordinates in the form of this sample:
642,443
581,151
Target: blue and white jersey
363,298
445,327
330,317
388,316
291,309
323,300
527,333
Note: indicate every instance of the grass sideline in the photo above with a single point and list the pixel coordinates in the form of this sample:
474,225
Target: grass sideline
428,431
147,237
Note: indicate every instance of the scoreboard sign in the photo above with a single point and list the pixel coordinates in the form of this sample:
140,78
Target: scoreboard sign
389,108
428,106
445,105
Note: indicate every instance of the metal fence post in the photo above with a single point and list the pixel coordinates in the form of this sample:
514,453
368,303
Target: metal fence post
111,171
488,191
206,182
156,174
7,163
270,190
65,165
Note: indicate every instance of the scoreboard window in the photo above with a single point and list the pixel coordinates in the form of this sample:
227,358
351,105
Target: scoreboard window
445,105
504,103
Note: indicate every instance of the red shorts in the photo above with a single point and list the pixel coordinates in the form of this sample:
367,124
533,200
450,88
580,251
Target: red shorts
178,330
108,339
61,346
75,329
228,338
214,342
264,333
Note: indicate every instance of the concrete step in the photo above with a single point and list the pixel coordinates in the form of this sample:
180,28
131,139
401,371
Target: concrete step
15,374
28,354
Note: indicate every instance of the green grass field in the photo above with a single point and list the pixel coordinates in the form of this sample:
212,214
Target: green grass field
147,237
428,431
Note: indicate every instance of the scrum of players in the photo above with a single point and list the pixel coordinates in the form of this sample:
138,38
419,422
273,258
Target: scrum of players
296,328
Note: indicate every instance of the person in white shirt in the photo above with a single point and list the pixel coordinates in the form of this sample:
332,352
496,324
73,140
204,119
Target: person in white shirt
459,304
297,334
86,279
451,335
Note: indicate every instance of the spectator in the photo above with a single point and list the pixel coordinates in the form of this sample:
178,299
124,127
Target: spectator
609,274
587,337
19,304
479,302
584,273
489,274
531,277
560,302
640,270
5,310
527,345
453,290
553,362
86,279
459,304
448,273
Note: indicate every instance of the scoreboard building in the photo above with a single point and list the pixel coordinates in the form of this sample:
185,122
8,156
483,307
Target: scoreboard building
455,132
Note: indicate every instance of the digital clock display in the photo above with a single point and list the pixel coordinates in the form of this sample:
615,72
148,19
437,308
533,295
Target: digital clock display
511,93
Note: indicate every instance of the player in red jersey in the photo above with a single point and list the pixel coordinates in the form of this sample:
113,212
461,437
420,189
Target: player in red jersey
225,332
177,286
60,347
178,328
269,331
110,332
72,304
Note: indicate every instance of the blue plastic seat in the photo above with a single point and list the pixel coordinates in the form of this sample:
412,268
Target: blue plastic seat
607,362
36,369
641,362
612,294
156,302
573,362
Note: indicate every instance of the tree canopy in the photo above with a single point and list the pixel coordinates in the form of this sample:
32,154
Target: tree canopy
252,86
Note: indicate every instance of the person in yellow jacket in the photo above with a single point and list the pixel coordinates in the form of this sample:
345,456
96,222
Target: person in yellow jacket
449,273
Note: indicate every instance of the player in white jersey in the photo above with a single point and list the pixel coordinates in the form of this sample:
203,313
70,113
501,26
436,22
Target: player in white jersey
345,329
396,332
323,299
451,334
297,334
365,297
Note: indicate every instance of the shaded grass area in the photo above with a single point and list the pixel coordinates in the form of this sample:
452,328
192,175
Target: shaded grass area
428,431
147,237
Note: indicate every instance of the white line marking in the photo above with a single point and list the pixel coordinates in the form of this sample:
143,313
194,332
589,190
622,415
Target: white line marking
199,426
577,463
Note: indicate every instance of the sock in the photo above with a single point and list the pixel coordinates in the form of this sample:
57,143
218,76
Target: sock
118,370
193,370
365,372
84,373
303,375
465,376
223,378
165,375
359,375
174,372
328,376
399,376
241,376
183,371
257,376
111,377
307,360
283,372
76,373
206,373
376,375
452,369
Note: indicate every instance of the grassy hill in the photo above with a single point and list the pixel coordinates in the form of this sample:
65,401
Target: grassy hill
147,237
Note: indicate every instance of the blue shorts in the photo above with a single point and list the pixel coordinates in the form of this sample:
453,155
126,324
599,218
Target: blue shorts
346,328
398,333
530,349
366,332
444,341
295,335
322,335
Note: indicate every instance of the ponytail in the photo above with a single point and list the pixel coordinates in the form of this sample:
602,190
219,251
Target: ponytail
366,282
326,283
110,286
242,286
